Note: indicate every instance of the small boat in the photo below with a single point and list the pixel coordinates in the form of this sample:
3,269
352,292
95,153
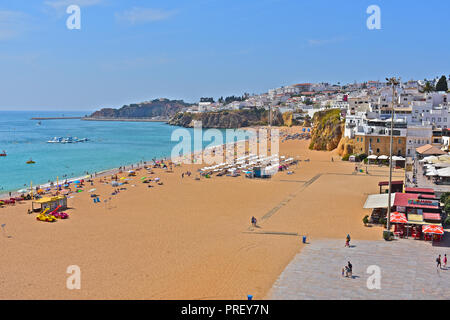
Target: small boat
55,140
30,161
3,154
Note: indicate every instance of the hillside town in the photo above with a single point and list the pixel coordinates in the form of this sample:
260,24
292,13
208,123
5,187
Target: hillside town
421,111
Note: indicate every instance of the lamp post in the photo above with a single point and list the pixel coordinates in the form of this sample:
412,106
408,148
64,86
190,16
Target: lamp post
393,82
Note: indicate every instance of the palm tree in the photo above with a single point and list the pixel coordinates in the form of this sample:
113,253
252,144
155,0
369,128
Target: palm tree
428,87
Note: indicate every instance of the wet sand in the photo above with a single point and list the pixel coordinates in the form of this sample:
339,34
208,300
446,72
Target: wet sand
186,239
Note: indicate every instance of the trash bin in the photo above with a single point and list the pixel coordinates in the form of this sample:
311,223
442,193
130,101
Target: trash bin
304,239
249,297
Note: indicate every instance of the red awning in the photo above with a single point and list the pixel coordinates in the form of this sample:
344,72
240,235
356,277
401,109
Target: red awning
386,183
427,196
419,190
401,199
433,229
431,216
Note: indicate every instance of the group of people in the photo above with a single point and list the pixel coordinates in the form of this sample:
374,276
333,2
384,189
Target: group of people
439,261
187,173
347,271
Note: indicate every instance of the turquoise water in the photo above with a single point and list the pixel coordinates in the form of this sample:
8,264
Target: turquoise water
112,144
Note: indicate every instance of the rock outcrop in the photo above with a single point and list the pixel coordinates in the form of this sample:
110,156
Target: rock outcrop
327,130
346,147
161,108
227,119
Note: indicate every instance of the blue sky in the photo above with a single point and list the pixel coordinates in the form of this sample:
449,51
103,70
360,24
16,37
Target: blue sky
135,50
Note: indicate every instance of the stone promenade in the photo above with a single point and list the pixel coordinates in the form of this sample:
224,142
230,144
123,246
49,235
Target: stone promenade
408,271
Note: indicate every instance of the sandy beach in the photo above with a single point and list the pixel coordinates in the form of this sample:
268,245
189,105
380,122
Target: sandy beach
187,239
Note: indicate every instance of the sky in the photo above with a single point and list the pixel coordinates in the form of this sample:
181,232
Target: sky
137,50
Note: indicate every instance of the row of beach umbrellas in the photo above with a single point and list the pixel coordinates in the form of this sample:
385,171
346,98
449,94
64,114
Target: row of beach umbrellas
383,157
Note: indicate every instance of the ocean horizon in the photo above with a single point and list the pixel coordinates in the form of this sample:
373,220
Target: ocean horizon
111,144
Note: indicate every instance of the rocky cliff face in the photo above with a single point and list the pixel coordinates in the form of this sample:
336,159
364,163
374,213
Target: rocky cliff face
227,119
162,108
346,147
327,130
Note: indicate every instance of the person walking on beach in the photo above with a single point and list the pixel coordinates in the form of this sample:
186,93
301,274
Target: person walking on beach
254,221
438,261
347,241
445,260
182,175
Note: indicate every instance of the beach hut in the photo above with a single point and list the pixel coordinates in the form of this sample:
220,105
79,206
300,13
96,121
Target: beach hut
50,203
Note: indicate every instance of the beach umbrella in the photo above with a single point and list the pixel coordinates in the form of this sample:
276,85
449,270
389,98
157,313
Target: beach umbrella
433,229
65,191
92,190
398,217
123,178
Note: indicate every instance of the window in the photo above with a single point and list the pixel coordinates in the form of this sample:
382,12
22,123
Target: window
378,140
378,150
362,139
399,141
357,139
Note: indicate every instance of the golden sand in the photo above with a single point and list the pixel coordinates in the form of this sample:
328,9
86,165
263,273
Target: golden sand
186,239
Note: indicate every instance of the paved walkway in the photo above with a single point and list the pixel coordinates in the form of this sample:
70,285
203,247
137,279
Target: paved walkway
408,271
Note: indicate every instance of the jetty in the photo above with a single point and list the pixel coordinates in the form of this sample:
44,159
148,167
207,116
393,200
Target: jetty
125,119
56,118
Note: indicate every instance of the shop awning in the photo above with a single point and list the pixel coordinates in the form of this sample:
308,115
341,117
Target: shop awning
431,216
433,229
48,199
376,201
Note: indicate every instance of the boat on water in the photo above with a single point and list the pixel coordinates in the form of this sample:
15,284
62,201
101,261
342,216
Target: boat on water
55,140
3,154
67,140
30,161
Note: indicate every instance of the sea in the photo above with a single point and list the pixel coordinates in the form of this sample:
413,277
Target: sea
111,144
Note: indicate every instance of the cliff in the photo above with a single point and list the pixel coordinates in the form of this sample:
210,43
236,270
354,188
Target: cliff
327,130
227,119
346,147
162,108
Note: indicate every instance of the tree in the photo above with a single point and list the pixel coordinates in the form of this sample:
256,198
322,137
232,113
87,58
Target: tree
366,220
442,84
428,87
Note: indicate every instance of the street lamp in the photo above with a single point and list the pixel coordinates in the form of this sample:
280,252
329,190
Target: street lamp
392,82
